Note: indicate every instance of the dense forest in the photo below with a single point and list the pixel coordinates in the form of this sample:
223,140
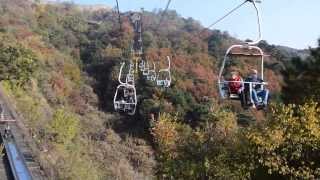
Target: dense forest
59,64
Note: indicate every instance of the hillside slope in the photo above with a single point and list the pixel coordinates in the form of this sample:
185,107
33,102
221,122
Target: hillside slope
60,70
47,85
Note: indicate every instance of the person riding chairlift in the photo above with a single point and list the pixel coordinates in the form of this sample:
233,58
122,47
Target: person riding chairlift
236,85
260,95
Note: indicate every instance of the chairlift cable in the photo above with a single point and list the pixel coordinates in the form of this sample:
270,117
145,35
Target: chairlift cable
127,103
119,15
163,13
226,15
223,17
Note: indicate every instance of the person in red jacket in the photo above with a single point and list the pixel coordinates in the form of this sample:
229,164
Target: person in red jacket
236,85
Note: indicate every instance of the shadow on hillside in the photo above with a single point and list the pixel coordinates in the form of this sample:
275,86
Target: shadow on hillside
245,119
132,126
104,86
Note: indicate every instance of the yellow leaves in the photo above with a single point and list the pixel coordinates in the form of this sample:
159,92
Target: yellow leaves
226,127
277,136
289,144
165,132
1,150
225,123
40,9
112,52
64,126
266,140
72,71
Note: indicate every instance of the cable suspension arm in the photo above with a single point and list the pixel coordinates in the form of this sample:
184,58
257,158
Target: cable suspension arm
259,24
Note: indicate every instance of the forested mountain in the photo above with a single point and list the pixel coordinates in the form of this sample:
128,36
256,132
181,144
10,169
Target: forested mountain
59,64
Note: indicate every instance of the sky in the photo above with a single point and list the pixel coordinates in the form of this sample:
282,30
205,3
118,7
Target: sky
293,23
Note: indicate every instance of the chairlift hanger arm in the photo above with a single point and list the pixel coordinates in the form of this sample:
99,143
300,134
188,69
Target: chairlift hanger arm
258,22
257,14
120,73
169,62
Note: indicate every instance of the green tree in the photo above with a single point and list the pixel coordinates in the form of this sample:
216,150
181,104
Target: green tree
303,75
289,144
64,126
17,63
212,151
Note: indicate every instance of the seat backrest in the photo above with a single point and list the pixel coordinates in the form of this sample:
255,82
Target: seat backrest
234,96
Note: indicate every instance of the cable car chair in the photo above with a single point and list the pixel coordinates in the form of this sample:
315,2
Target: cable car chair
152,75
141,64
130,75
136,20
145,71
164,76
223,84
125,98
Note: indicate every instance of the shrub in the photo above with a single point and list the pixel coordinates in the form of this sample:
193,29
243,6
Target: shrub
210,152
64,126
73,72
289,145
17,63
76,164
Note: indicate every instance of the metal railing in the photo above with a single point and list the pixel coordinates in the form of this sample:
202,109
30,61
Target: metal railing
17,162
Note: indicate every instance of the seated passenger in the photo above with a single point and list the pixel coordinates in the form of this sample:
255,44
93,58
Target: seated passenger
258,92
236,85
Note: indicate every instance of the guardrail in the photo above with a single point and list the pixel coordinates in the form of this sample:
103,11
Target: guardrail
17,162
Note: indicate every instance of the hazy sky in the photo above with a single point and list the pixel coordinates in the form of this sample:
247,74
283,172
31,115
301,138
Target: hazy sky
294,23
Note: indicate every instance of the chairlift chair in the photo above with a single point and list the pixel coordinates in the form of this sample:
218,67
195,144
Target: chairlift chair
136,21
245,50
126,102
145,70
223,83
141,64
130,75
152,75
164,76
125,98
130,79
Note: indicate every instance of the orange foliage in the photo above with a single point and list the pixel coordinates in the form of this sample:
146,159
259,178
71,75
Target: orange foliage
201,72
273,80
23,34
58,84
165,52
198,74
77,102
152,54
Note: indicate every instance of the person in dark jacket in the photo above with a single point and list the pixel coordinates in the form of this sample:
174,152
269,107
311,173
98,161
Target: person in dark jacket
260,95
